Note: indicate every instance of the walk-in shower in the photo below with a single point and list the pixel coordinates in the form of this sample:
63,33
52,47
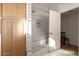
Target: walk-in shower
40,31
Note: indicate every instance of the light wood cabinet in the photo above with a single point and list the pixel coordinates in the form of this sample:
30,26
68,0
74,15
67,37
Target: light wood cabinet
0,10
6,38
14,10
13,36
19,41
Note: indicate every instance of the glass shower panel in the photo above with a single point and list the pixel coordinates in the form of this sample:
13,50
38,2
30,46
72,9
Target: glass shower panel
40,29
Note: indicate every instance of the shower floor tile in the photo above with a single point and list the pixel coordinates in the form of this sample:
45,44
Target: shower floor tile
61,52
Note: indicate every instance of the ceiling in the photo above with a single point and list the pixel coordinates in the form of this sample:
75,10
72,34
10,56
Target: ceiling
60,7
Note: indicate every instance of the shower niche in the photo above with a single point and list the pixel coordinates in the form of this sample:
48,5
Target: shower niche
38,23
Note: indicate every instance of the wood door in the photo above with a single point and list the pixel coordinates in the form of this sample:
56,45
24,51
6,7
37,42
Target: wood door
54,30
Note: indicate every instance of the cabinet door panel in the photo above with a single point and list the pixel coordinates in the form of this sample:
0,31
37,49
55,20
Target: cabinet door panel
19,39
7,38
14,10
14,39
0,9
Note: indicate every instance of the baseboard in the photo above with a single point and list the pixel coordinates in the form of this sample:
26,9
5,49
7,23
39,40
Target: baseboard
74,45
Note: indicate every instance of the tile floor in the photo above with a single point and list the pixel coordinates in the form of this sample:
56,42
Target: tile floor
64,51
61,52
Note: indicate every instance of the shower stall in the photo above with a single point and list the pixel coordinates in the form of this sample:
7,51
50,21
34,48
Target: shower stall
40,31
43,32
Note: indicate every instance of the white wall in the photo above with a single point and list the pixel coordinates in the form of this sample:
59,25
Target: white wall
69,24
28,29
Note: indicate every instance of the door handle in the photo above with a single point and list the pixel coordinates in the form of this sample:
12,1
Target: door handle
50,33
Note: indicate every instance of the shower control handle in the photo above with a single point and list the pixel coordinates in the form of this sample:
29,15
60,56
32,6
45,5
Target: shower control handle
50,33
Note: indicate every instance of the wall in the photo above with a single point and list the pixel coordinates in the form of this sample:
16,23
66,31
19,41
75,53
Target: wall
28,30
69,24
